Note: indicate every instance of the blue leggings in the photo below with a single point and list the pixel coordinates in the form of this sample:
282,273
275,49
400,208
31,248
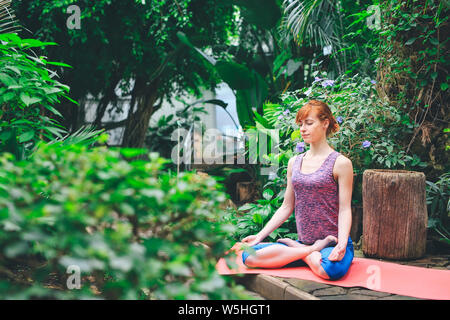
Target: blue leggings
334,269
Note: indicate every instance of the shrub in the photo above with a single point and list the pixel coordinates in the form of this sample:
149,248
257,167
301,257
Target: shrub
438,201
27,90
133,230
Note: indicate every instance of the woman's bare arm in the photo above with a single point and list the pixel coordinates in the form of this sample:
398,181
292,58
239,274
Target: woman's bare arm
281,215
344,170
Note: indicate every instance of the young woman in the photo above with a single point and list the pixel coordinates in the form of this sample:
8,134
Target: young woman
319,189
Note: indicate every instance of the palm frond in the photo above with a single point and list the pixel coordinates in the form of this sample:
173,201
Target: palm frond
315,21
86,135
8,21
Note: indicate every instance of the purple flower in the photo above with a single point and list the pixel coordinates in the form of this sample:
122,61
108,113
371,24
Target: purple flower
316,79
327,83
339,119
286,112
280,117
366,144
300,147
373,82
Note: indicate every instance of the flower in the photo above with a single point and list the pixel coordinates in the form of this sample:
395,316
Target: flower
300,147
327,83
339,119
308,92
317,79
366,144
286,112
280,117
373,82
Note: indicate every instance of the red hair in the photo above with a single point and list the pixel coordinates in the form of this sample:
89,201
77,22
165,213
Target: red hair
322,112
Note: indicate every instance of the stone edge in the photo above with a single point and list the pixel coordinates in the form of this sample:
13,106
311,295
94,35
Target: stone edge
272,288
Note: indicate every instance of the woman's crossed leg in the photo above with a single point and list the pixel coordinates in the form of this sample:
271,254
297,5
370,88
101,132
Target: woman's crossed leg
277,256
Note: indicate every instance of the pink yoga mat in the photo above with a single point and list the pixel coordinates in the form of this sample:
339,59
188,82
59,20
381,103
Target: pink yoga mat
375,275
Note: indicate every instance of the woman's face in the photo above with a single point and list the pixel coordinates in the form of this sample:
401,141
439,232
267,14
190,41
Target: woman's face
312,129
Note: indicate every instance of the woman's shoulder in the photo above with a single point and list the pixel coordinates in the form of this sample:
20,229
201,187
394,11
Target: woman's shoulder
295,157
342,162
342,158
292,161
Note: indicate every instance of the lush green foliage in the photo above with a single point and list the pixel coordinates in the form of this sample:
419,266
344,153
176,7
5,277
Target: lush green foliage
252,217
438,200
27,88
413,63
132,45
338,36
134,230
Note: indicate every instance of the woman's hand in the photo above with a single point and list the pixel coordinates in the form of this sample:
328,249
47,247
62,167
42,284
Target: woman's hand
251,240
337,253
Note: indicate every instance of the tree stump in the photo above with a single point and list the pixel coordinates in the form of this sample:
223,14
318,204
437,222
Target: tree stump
244,190
394,214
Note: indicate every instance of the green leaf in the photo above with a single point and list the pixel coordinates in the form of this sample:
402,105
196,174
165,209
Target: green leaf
132,152
12,68
71,100
237,76
55,131
410,41
59,64
295,135
7,96
434,41
217,102
262,120
53,110
246,206
444,86
24,137
27,100
244,108
257,218
5,135
7,80
268,194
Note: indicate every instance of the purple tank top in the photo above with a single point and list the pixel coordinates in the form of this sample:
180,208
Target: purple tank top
316,200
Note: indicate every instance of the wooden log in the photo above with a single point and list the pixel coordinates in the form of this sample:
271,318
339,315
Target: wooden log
244,190
394,214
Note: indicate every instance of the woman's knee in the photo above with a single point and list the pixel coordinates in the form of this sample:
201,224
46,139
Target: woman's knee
250,261
314,261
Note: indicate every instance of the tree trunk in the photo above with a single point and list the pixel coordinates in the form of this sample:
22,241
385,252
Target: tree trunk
394,214
138,121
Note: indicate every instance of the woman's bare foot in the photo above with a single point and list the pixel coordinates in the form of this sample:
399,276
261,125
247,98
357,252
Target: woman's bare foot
290,243
320,244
